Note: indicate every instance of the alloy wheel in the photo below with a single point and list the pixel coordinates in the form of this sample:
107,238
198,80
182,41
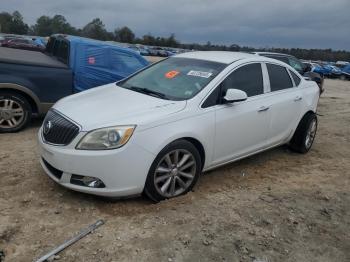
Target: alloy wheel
175,173
311,133
11,113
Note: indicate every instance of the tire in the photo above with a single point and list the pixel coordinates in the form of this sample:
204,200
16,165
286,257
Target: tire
305,133
15,112
171,179
342,77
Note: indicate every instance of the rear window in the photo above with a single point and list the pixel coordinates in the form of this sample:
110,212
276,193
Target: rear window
176,78
63,51
59,48
279,77
49,45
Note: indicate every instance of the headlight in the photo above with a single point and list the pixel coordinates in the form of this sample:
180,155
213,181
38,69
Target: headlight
106,138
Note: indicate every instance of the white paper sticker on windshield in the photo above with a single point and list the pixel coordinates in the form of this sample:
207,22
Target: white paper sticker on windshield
199,74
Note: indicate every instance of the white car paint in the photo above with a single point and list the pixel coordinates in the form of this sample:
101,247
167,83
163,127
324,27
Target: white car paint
227,132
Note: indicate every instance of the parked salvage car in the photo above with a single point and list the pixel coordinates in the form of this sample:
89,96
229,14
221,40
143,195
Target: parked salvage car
152,51
345,72
157,130
140,50
334,72
298,66
30,82
314,67
5,38
159,51
22,43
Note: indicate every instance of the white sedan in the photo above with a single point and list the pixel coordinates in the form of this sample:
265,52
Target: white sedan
159,129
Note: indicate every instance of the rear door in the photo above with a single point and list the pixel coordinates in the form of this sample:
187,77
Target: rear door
242,127
285,98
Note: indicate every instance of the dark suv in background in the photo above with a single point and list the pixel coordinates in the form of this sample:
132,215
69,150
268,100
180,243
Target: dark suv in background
297,65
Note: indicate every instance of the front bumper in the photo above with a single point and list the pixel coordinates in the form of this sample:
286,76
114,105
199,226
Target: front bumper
123,170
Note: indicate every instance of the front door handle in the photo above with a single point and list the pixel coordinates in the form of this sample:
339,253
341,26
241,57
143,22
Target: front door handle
297,98
263,108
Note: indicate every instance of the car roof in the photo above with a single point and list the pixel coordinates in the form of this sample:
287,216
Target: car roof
272,53
217,56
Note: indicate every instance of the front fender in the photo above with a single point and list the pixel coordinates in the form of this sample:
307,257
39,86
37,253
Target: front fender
200,128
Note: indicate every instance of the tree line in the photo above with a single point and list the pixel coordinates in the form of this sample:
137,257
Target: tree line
96,29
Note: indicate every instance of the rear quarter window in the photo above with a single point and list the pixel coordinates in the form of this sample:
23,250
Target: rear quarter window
296,78
279,77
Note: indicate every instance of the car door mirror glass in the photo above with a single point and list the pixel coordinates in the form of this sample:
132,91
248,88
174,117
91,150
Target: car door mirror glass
234,95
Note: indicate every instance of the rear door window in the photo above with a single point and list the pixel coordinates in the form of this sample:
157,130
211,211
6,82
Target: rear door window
279,77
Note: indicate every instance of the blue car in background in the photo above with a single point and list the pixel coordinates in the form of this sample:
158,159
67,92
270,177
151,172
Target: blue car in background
318,69
327,70
345,72
332,71
31,82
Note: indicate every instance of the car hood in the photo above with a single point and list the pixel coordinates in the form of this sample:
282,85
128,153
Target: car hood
111,105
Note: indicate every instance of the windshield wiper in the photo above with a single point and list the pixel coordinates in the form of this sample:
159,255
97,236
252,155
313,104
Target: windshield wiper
149,92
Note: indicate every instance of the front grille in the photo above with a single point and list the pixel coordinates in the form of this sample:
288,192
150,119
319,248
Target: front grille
56,172
58,130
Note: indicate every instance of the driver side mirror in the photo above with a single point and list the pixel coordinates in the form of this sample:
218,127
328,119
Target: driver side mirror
234,95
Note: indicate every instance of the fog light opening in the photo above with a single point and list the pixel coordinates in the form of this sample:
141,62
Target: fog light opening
87,181
95,183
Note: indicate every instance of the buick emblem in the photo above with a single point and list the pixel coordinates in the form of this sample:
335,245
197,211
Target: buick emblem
47,127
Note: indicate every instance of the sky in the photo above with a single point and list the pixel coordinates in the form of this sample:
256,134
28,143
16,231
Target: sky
256,23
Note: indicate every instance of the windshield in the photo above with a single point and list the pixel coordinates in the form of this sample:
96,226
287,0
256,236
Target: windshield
174,78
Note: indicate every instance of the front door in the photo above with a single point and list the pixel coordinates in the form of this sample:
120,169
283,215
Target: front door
242,127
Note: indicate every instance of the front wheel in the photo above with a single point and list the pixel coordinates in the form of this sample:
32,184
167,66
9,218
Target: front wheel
174,172
15,112
305,133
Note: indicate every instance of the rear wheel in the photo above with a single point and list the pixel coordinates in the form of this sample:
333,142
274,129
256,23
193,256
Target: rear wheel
174,172
305,133
15,112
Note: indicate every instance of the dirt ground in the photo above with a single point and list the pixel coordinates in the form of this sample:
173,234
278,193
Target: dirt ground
275,206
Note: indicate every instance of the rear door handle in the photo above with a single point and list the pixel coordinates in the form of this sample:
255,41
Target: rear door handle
263,108
298,98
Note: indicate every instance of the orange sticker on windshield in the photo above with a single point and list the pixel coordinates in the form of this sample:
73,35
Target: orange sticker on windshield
172,74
